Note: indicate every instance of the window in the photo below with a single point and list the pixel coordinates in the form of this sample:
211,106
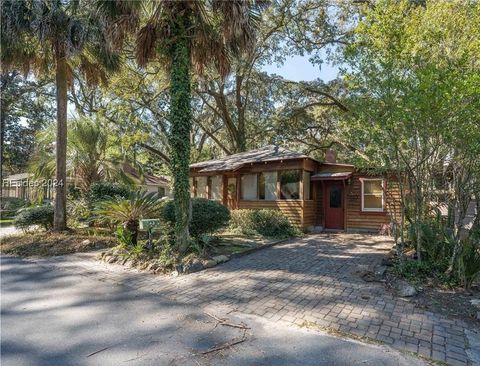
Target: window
216,187
161,192
267,183
249,186
306,185
202,187
372,195
335,199
290,185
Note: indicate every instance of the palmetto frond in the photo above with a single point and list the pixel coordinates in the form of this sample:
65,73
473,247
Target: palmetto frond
87,159
138,206
33,29
216,29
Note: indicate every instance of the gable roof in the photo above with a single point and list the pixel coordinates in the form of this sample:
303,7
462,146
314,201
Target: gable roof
147,179
236,161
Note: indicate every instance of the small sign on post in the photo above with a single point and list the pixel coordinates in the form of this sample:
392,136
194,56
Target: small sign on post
149,225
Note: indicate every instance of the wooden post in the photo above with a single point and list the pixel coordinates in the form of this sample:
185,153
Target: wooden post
344,206
224,190
278,185
209,187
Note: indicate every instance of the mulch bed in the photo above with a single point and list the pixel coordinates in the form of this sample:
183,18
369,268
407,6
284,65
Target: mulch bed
438,298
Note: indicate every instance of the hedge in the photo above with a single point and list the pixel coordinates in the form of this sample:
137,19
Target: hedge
207,216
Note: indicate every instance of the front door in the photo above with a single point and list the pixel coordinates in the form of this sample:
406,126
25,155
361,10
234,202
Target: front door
334,205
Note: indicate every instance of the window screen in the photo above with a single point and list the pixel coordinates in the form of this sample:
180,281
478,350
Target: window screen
249,187
216,186
290,184
202,187
268,186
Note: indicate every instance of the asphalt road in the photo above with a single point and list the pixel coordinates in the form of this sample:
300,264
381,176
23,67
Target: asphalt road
57,317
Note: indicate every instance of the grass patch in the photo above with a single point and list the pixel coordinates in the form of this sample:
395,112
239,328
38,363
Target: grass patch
45,244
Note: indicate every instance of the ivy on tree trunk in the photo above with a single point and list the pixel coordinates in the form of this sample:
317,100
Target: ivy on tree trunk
181,125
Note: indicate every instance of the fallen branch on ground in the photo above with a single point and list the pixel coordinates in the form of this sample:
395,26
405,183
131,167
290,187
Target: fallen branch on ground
226,323
226,345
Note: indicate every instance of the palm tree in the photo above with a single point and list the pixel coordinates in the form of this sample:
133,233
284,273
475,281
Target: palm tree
186,36
91,154
41,34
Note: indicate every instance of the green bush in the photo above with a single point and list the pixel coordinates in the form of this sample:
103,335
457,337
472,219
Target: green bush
469,259
10,206
104,191
265,222
207,216
40,215
78,211
437,240
128,212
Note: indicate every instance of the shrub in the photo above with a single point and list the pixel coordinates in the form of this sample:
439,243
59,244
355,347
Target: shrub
78,211
265,222
437,239
469,260
41,215
103,191
128,212
207,216
10,206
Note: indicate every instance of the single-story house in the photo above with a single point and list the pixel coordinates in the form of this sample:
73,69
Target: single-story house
151,183
311,193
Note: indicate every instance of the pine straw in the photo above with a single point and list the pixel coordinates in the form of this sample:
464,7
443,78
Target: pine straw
45,244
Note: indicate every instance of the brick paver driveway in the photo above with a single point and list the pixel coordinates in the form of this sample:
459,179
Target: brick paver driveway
315,281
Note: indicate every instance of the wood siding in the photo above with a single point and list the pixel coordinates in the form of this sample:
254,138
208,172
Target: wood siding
300,213
308,214
372,221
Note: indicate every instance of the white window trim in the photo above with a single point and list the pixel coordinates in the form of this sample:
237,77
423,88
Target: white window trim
362,180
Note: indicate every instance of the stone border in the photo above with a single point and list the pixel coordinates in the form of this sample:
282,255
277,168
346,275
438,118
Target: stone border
154,266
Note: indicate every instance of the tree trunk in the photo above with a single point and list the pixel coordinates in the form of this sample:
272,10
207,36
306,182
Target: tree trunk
181,121
60,216
132,227
2,138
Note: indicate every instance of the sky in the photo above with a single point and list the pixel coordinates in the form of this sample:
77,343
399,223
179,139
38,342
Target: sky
299,68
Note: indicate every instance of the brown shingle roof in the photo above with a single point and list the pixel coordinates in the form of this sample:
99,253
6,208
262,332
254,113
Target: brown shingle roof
236,161
147,179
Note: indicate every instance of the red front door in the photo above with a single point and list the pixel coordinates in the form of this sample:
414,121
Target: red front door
334,205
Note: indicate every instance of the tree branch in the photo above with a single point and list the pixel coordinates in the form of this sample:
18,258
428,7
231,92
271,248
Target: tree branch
155,151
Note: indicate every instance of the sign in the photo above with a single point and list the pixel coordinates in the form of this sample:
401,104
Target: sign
149,224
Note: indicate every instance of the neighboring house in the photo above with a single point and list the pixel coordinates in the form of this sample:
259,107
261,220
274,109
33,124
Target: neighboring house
25,187
151,183
312,194
21,186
